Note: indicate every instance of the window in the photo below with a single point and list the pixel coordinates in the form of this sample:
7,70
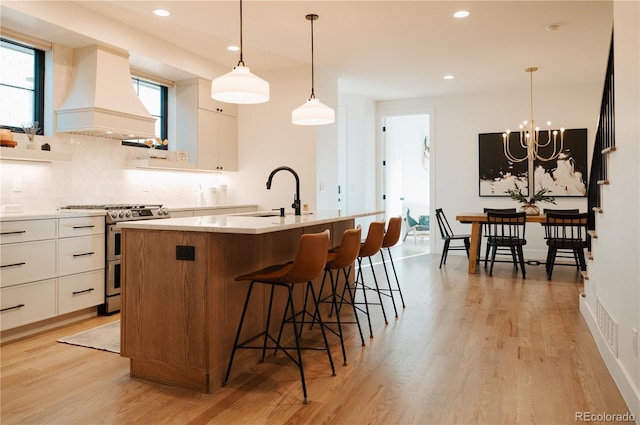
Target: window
154,98
21,85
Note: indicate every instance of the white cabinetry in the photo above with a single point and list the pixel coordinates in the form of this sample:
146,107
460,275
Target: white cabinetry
207,129
50,267
81,263
28,251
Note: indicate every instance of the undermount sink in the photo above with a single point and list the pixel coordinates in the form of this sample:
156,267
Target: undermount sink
260,214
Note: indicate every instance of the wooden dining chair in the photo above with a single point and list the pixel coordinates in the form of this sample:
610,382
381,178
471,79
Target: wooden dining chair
565,253
446,233
501,250
507,230
565,231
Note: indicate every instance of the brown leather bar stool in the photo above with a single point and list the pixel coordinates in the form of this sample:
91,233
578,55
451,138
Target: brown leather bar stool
370,247
391,237
341,259
308,264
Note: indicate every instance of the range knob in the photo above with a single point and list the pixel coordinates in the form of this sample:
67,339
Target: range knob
127,213
121,214
113,214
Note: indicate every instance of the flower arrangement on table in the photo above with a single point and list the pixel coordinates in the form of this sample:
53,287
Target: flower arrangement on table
529,204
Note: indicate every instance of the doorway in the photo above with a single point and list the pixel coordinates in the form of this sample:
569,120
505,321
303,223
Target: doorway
406,170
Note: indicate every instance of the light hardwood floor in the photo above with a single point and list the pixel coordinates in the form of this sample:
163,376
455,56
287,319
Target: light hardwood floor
466,350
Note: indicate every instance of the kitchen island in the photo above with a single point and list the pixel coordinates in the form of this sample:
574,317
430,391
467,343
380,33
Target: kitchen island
180,302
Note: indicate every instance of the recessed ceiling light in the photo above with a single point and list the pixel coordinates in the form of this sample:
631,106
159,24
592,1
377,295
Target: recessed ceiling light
552,27
448,77
161,12
461,14
233,48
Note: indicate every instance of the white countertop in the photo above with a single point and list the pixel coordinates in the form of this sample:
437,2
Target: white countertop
207,207
41,215
244,223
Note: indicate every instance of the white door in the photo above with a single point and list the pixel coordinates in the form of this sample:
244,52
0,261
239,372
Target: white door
406,165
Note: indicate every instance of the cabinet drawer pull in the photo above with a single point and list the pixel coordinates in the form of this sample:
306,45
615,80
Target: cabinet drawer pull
82,292
12,308
17,232
84,254
88,226
13,265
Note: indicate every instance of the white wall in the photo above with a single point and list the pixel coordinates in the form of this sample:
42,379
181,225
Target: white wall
459,119
614,272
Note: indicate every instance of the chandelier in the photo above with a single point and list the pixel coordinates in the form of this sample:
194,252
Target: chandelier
530,137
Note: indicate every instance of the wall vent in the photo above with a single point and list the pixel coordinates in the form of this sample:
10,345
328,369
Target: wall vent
608,327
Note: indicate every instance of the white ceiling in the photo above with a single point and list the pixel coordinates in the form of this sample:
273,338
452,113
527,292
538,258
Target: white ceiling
385,49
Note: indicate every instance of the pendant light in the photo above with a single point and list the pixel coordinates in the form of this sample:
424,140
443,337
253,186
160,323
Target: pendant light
312,112
240,85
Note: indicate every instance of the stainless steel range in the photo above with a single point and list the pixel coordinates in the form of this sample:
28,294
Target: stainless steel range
114,214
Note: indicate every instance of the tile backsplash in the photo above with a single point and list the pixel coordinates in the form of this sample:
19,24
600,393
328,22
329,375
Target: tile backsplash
97,174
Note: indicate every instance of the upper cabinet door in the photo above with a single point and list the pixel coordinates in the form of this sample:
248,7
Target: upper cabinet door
206,128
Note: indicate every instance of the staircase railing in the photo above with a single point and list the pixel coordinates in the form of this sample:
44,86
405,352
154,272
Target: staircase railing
604,144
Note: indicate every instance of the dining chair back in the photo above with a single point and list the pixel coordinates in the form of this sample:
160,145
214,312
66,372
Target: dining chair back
446,233
507,229
565,231
500,250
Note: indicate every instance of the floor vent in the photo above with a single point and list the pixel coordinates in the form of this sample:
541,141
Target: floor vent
608,327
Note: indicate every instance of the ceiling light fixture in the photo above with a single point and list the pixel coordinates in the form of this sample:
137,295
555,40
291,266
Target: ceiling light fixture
161,12
233,48
312,112
448,77
461,14
240,85
530,136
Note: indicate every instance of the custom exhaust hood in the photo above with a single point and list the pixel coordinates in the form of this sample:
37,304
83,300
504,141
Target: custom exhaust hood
101,100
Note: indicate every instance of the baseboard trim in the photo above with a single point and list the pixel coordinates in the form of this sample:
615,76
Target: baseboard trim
630,393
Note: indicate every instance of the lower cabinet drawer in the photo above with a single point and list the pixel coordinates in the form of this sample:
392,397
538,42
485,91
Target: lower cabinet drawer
80,291
27,262
82,254
31,302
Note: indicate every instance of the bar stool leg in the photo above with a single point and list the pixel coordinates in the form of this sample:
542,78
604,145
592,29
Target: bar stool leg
353,301
235,342
266,329
297,338
396,275
359,279
335,304
322,328
386,273
375,280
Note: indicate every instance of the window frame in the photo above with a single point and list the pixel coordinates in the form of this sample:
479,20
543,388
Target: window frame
38,87
164,110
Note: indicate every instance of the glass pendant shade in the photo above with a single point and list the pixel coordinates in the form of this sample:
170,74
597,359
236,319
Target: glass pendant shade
240,86
312,112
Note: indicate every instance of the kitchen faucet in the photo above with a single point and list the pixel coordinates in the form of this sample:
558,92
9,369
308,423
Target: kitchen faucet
296,199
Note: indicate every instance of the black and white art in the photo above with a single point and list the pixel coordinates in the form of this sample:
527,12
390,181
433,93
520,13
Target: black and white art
567,174
496,172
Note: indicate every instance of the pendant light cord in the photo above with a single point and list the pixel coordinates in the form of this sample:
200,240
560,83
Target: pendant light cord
313,95
241,62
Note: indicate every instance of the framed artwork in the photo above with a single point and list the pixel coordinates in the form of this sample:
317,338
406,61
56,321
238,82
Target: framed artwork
567,174
496,173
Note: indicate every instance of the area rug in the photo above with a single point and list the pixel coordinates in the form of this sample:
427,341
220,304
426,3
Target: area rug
105,337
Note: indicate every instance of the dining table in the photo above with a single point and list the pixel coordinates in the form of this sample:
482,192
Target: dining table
477,219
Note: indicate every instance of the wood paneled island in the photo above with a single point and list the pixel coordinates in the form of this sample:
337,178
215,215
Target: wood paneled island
180,302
